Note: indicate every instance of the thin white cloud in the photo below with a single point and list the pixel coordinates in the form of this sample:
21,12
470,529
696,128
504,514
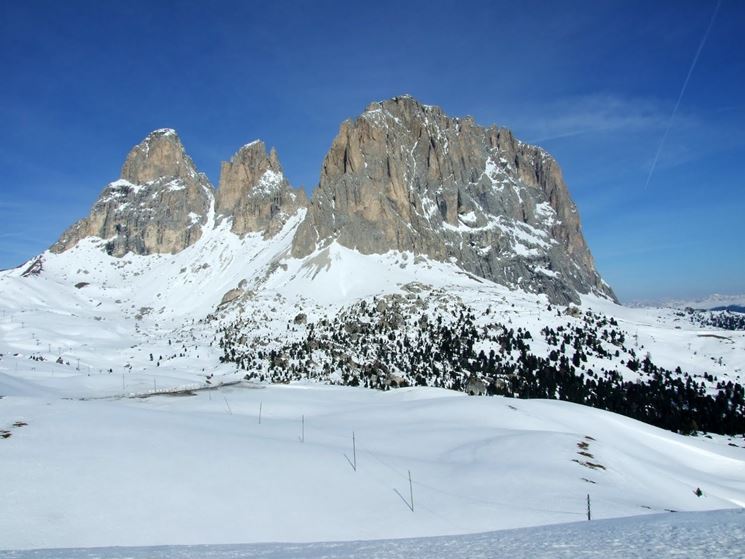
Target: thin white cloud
600,113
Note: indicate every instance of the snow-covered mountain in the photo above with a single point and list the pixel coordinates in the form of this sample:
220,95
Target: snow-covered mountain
713,301
434,254
402,177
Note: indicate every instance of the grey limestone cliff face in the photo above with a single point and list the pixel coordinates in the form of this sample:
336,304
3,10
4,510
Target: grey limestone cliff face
158,205
405,176
254,192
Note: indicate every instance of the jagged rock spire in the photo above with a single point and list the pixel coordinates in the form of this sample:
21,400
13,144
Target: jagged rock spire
254,192
159,204
159,155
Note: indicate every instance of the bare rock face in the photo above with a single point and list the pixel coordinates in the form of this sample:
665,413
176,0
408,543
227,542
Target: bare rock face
159,204
405,176
254,192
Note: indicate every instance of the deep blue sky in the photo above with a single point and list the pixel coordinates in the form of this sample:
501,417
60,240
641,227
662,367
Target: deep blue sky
593,82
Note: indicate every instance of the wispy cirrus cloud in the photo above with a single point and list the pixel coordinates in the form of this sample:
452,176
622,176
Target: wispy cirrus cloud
598,113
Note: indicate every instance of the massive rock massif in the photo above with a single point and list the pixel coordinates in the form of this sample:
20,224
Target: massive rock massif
254,192
402,176
405,176
157,205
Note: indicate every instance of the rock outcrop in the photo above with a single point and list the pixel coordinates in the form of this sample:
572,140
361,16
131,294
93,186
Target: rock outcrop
159,204
405,176
254,192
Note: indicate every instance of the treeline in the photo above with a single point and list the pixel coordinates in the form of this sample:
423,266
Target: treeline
384,346
724,319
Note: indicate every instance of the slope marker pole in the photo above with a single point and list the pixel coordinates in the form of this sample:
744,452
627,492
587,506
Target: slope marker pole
411,492
353,462
589,513
410,502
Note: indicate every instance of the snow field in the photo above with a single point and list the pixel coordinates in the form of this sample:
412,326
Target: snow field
201,469
704,535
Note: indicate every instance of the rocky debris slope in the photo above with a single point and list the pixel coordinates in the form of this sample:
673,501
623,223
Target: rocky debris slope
430,337
405,176
254,192
158,205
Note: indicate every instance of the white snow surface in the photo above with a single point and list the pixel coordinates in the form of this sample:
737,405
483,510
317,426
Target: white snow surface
109,456
270,181
712,301
705,535
90,470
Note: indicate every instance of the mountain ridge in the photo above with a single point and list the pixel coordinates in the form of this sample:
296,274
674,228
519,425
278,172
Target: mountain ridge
401,176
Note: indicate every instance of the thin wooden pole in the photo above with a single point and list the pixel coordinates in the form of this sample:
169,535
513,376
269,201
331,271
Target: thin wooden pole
353,462
411,492
589,514
261,404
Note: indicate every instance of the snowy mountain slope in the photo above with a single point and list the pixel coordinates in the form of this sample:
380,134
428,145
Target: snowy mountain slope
692,535
110,436
244,299
114,313
201,468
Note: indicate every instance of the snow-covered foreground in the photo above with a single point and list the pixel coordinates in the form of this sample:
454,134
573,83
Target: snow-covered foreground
202,468
705,535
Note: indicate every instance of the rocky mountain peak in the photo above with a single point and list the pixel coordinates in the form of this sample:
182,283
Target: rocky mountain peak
159,204
255,193
405,176
402,176
159,155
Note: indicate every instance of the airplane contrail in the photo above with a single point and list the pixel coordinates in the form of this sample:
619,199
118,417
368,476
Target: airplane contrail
682,92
